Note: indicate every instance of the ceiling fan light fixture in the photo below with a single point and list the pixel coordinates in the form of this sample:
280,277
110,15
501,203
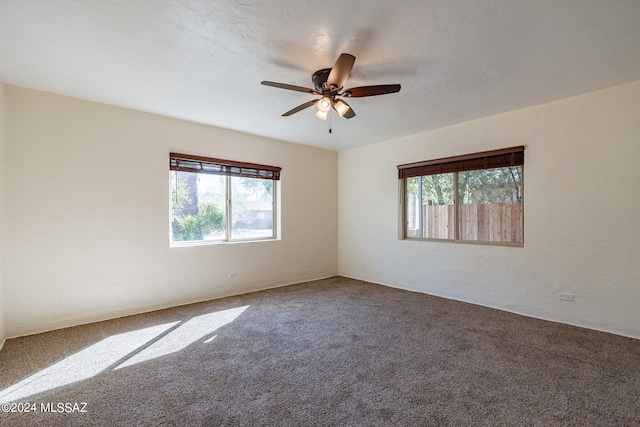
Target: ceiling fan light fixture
322,115
324,105
341,107
328,83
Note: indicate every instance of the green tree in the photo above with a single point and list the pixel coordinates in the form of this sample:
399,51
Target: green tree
211,218
189,228
498,185
184,206
436,189
261,188
192,217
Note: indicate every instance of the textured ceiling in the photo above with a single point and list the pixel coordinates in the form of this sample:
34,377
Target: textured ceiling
203,60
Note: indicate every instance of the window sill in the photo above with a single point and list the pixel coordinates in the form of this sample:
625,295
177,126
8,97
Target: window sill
219,242
467,242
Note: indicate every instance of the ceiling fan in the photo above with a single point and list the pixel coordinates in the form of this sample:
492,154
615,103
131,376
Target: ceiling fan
329,83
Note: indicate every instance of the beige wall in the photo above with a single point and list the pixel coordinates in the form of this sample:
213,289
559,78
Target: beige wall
581,210
2,169
86,214
87,234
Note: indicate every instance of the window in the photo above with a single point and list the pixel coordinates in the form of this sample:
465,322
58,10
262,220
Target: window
470,198
221,200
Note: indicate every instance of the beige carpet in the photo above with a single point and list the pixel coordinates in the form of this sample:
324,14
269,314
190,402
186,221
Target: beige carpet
335,352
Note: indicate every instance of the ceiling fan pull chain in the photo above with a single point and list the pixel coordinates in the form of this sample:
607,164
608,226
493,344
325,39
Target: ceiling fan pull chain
329,120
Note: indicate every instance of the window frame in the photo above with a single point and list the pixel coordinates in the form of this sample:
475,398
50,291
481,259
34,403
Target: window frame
506,157
230,169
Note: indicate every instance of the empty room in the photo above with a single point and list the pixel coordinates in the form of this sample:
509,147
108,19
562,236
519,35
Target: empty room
298,213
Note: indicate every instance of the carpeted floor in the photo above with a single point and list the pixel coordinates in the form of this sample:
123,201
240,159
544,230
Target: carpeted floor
334,352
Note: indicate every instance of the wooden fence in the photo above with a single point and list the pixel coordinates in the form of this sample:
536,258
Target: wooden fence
490,222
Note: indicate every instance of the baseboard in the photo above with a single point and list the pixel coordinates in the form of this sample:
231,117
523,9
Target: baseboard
495,307
69,323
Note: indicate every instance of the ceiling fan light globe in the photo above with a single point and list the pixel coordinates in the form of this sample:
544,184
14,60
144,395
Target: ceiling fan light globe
322,115
324,105
341,107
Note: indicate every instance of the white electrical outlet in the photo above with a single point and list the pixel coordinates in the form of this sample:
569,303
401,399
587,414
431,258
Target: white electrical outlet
233,275
566,297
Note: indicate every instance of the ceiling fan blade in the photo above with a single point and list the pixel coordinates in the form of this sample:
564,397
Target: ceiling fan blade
301,107
341,70
358,92
289,87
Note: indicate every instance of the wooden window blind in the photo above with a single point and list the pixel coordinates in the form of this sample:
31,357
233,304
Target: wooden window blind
505,157
188,163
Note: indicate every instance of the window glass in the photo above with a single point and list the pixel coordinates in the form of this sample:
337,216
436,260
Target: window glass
472,197
413,205
221,200
430,208
197,206
438,210
252,208
490,204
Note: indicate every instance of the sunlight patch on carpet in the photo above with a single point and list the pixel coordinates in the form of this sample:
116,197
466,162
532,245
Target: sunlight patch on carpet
84,364
187,333
210,339
119,351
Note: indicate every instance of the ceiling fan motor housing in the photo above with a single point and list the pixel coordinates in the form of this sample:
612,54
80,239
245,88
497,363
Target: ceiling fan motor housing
319,78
